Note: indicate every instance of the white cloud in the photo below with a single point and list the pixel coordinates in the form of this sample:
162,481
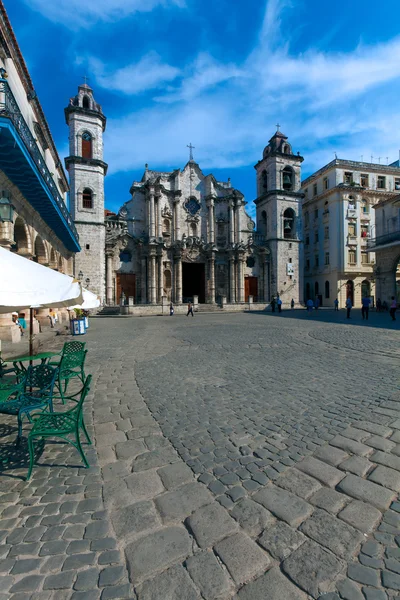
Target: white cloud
147,74
86,13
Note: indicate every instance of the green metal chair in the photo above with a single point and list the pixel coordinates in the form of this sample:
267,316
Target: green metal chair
68,348
34,392
61,424
5,370
72,365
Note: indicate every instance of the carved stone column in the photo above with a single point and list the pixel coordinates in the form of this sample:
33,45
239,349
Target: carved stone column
232,287
261,278
143,282
211,296
267,280
211,221
159,220
152,269
177,229
109,279
152,215
231,224
178,279
237,224
159,278
240,279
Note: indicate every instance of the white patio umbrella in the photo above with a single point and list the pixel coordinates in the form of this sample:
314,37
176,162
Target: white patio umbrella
90,300
26,284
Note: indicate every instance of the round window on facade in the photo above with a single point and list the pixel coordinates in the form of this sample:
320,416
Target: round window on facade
250,262
125,256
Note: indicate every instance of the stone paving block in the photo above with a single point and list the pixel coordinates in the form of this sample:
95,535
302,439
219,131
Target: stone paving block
364,575
281,540
210,524
358,465
388,478
391,580
87,580
325,473
109,557
232,551
96,530
208,575
380,443
173,584
393,565
278,586
284,504
298,483
329,500
60,581
31,583
55,547
361,515
372,549
180,503
144,486
358,435
120,592
335,535
313,568
157,551
349,590
110,439
351,445
154,459
373,594
112,576
395,437
115,470
331,455
373,428
25,565
369,492
252,517
175,475
77,561
129,449
135,519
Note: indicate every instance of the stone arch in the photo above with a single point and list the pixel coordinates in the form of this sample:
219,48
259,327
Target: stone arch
288,178
61,264
40,251
53,263
327,289
22,237
289,224
365,288
87,145
350,290
86,102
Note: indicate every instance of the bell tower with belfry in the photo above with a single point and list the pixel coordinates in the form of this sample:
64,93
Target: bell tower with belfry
278,207
87,170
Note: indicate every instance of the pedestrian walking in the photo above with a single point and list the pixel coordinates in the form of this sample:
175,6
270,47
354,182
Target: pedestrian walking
349,306
336,304
378,305
190,309
316,303
310,305
292,304
171,310
365,302
279,303
393,307
273,304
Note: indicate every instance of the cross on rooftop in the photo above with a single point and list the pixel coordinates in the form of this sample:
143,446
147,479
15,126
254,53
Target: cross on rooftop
86,79
277,126
191,148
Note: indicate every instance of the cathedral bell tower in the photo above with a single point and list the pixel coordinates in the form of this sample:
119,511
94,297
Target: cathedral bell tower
278,207
87,170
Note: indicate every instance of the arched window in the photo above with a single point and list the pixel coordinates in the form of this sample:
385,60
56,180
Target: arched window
264,180
87,141
167,279
350,290
86,102
327,289
166,227
286,149
193,229
289,225
364,206
87,198
365,289
287,178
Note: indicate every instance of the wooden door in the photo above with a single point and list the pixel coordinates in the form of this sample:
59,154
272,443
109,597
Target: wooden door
126,283
250,288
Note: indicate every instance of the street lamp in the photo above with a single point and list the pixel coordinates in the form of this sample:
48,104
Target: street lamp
80,276
87,281
6,208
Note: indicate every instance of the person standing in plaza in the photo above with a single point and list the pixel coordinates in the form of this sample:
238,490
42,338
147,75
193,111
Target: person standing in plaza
349,306
316,303
393,307
292,304
310,305
171,310
273,304
279,303
190,309
365,302
336,304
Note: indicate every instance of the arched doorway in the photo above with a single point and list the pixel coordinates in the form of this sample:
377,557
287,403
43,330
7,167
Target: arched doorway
350,290
21,238
193,281
365,289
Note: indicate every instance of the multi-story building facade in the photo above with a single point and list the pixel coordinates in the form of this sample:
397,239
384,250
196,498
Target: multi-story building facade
338,222
34,217
386,246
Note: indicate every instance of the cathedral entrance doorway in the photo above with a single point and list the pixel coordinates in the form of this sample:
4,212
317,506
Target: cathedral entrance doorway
250,288
193,282
126,283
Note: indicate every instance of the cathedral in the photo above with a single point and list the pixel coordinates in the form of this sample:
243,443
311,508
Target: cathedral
183,236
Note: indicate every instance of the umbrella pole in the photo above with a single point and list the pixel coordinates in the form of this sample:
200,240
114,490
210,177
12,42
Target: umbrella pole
30,333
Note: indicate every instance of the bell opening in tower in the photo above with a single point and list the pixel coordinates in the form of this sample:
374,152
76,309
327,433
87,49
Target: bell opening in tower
193,282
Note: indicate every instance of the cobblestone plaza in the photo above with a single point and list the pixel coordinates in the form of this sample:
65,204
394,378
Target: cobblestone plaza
248,456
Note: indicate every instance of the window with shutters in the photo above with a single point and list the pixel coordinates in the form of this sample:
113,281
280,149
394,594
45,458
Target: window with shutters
87,198
87,142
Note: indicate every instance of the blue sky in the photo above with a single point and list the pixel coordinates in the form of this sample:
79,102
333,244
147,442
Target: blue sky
219,74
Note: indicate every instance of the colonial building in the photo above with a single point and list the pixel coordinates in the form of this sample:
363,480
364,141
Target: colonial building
34,217
386,246
184,235
338,222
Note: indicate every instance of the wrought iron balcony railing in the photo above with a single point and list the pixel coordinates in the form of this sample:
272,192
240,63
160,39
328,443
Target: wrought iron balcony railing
10,109
259,239
381,240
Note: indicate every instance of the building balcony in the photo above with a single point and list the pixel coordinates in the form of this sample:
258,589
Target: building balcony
351,213
23,163
365,216
325,216
352,240
383,241
259,239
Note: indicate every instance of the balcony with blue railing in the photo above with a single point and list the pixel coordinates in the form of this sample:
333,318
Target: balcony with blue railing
22,162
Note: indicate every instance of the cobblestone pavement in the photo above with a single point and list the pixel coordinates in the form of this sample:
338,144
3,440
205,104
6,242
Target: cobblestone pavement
245,456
